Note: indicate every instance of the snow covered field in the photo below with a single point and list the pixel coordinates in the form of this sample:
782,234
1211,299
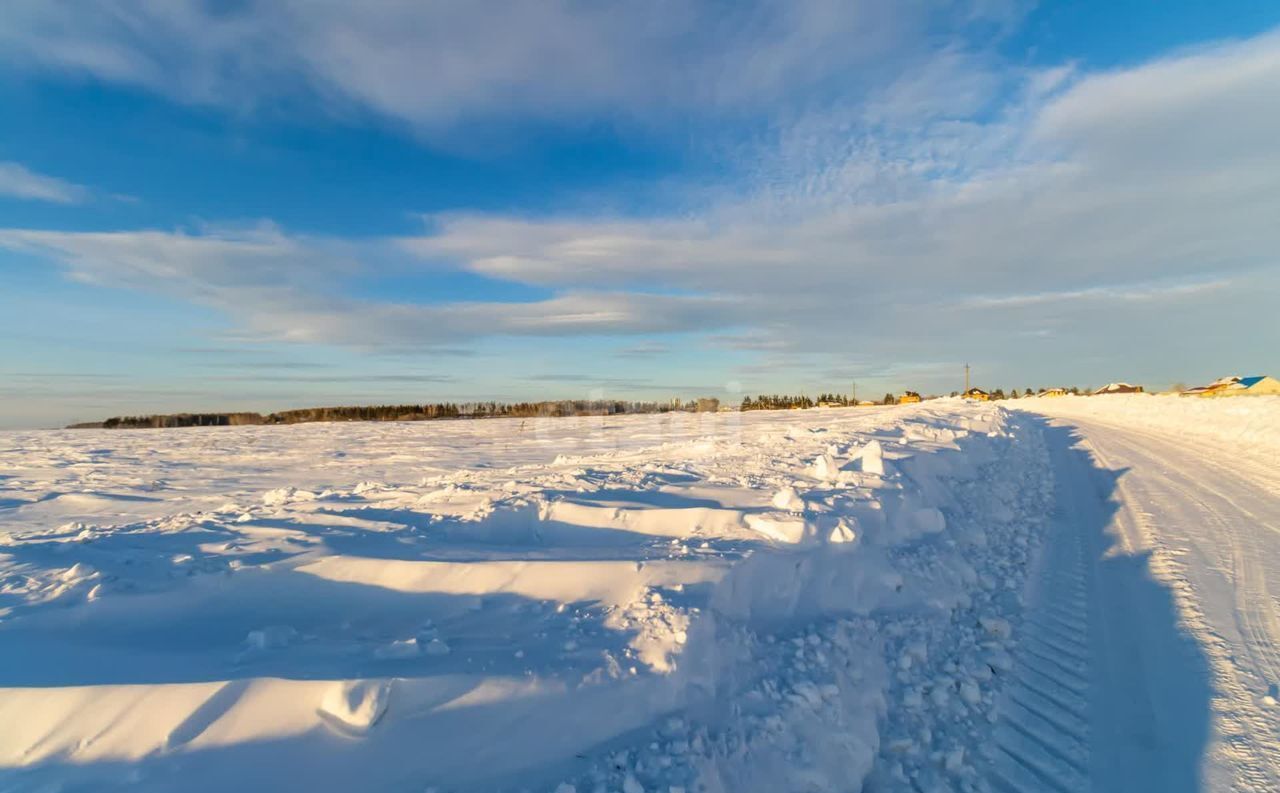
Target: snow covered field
944,596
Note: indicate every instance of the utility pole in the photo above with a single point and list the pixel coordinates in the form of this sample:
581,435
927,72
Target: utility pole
966,378
853,391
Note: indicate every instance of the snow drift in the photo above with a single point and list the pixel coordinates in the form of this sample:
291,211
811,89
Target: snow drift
1249,424
696,602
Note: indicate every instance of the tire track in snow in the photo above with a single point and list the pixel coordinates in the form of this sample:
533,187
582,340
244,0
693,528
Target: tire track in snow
1041,738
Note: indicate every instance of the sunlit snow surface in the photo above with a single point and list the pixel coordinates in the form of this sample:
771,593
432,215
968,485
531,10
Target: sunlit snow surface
792,600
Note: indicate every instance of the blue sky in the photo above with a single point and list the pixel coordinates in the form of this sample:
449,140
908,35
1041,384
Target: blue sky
218,204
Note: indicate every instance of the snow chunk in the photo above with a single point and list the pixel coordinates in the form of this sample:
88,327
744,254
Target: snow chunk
825,467
278,496
787,499
284,495
929,520
873,458
996,627
1000,661
79,571
779,526
356,705
842,533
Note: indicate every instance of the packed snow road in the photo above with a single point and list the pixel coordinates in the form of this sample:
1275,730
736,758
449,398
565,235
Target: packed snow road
1150,656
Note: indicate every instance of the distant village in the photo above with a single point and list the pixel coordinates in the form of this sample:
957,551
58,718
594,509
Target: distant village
1232,386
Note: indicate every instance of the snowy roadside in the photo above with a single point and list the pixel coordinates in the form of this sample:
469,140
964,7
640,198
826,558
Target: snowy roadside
1169,631
769,601
1248,426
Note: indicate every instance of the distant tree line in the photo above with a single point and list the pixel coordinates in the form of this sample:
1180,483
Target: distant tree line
835,399
179,420
777,402
424,412
478,410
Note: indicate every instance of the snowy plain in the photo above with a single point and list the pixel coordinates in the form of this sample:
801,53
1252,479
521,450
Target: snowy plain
946,596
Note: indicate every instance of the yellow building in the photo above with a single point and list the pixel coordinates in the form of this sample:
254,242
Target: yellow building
1213,388
977,394
908,397
1054,392
1260,385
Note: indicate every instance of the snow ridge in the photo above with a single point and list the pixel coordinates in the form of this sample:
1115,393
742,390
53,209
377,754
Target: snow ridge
756,602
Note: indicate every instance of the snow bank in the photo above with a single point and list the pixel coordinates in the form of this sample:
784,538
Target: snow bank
1250,424
743,602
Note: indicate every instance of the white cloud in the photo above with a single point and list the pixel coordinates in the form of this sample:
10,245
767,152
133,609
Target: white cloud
288,288
1080,210
643,350
21,182
216,266
1088,190
1121,294
435,64
571,314
1199,111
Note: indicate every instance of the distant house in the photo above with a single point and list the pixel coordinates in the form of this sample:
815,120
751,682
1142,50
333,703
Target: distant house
1054,392
908,397
1206,390
1256,385
1119,388
978,394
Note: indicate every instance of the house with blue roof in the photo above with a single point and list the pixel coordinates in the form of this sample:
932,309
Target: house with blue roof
1256,385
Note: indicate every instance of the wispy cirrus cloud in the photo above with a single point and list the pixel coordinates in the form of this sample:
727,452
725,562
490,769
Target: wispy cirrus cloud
436,65
18,181
296,289
643,350
370,378
1119,293
1082,203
